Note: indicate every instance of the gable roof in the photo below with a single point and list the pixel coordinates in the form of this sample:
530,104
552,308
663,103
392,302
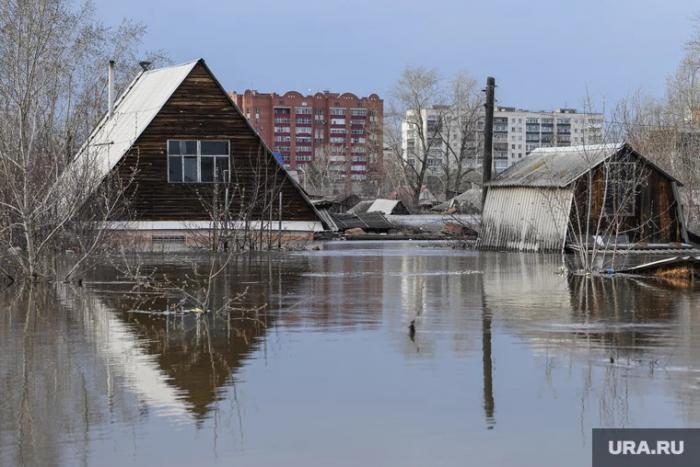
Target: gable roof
133,112
558,167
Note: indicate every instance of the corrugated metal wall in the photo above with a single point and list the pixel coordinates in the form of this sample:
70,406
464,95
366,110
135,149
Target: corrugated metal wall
526,219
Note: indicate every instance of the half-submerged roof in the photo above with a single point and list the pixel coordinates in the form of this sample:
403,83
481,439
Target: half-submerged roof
387,206
555,167
559,166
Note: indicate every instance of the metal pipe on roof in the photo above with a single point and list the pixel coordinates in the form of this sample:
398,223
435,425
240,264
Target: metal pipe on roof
110,88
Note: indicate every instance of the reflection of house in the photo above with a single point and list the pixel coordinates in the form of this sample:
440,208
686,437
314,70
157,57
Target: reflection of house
182,139
180,362
583,193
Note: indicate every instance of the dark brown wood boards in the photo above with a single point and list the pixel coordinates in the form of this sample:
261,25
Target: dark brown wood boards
199,109
655,217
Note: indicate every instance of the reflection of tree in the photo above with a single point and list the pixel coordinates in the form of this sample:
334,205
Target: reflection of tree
52,385
620,302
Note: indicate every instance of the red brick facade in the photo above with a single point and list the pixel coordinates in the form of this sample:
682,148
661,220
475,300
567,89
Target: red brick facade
342,127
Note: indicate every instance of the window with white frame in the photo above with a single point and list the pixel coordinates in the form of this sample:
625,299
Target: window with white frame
192,161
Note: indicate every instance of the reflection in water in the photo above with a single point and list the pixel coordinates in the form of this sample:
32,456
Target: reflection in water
90,377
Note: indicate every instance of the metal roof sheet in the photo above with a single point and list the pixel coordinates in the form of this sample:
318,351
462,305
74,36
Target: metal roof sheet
371,221
115,135
385,206
361,207
555,167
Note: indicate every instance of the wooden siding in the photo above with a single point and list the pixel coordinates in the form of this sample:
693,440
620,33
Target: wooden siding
200,110
655,218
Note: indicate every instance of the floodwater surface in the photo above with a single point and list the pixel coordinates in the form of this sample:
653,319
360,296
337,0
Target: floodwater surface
512,363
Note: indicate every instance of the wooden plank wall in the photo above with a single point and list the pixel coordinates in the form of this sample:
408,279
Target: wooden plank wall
655,220
200,110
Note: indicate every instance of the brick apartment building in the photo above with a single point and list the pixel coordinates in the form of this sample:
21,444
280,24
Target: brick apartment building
342,131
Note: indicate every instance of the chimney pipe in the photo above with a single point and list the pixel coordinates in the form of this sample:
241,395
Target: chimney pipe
487,162
110,89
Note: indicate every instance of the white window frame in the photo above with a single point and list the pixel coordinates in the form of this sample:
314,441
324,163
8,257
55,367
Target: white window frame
199,160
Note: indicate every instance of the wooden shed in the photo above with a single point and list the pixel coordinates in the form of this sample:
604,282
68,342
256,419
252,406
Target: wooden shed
179,135
575,196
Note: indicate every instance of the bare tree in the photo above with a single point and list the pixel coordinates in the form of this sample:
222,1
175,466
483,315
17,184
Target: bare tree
416,92
327,173
460,132
51,94
433,130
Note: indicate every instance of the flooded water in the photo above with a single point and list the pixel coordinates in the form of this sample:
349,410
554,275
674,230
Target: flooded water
512,363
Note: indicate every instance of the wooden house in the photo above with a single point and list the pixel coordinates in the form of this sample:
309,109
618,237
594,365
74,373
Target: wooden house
179,138
575,196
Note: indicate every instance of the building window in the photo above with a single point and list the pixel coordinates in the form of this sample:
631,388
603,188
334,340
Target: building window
191,161
358,112
339,111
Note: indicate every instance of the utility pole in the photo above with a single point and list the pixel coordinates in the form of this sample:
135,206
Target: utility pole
487,161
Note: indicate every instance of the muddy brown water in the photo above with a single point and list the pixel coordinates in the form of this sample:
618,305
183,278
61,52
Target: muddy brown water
511,363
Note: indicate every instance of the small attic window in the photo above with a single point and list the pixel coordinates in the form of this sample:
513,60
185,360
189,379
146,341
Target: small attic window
193,161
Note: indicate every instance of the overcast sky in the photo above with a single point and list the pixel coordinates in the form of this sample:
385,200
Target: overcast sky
543,53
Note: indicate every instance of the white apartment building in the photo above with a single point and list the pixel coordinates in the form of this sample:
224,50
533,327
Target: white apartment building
516,133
